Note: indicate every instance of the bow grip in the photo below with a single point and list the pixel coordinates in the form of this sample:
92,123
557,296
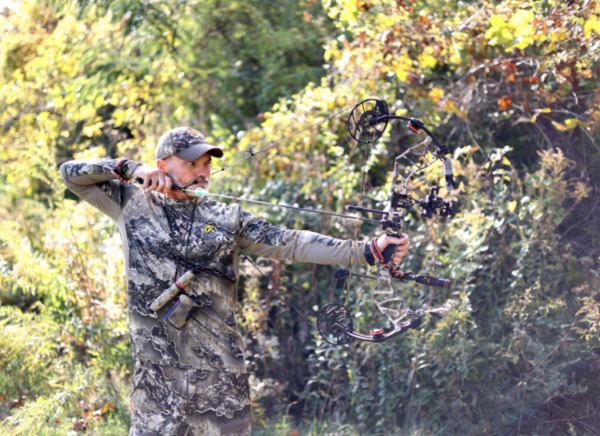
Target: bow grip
388,253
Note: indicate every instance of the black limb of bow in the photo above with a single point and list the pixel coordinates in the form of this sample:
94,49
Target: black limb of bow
366,124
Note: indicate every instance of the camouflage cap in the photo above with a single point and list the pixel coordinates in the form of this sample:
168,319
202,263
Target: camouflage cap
185,143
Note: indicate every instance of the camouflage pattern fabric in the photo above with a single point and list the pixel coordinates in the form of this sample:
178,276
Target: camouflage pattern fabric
172,401
180,138
209,348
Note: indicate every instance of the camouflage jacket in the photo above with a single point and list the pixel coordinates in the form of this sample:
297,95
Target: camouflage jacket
154,230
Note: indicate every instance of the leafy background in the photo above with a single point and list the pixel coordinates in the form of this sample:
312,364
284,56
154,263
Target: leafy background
510,86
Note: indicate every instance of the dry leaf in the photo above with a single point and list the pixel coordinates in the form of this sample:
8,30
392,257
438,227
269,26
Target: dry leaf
106,408
509,66
505,103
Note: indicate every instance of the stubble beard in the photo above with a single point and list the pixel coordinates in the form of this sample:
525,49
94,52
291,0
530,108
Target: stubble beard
201,182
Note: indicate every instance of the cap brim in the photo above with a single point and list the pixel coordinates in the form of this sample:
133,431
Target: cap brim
195,151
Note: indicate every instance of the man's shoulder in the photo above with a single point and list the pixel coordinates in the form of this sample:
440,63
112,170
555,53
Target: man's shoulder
220,208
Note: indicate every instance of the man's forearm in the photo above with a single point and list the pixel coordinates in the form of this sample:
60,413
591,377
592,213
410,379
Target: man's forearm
93,180
91,171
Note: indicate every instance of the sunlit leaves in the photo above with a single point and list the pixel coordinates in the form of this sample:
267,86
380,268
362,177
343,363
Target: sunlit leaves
592,24
519,31
436,94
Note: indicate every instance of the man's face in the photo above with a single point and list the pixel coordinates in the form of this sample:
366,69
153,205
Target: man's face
183,172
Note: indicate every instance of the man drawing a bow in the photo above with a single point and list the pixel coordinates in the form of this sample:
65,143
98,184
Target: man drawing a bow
190,377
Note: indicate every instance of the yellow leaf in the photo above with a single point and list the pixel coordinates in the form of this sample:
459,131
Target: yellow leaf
521,22
561,35
590,25
427,61
546,110
498,21
571,123
436,94
451,108
559,126
403,67
512,205
99,101
505,161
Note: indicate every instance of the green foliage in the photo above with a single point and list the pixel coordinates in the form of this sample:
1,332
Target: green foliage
511,85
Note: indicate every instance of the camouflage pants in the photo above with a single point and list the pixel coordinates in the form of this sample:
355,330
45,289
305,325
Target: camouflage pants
169,401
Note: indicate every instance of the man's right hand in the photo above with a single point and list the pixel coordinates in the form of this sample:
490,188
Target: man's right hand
154,179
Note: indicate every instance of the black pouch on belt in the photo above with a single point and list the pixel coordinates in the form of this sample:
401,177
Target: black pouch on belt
182,311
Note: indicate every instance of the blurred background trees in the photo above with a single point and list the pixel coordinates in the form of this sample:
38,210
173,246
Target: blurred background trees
510,86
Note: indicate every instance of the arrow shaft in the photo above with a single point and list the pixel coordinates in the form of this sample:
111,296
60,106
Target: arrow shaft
265,203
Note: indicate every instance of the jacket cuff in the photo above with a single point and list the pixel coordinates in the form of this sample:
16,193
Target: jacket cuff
127,168
369,255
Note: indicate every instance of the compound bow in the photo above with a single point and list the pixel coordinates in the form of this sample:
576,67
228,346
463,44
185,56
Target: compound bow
366,124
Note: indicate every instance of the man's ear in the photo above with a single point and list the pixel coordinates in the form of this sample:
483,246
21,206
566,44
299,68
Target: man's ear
161,164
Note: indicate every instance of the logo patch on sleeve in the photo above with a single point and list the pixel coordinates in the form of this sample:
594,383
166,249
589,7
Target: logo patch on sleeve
208,228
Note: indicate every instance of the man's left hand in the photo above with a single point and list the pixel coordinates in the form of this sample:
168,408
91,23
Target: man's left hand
403,243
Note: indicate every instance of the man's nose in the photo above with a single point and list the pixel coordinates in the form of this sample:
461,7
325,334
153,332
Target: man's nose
203,172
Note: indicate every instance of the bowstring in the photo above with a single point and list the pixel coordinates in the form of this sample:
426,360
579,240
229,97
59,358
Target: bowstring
367,155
